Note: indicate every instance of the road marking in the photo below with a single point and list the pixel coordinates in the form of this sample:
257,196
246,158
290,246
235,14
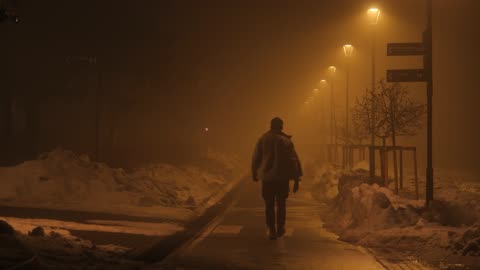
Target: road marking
227,230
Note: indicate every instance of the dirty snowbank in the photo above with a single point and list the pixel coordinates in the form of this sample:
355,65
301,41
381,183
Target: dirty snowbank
362,212
54,248
63,180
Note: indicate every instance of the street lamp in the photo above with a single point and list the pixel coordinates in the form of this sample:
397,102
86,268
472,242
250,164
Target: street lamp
323,83
332,70
373,17
333,124
348,51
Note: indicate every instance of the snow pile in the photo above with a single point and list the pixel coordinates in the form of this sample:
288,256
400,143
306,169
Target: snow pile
57,249
27,226
467,242
363,165
375,207
370,215
62,179
325,184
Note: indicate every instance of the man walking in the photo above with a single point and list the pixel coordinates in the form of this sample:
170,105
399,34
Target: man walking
275,163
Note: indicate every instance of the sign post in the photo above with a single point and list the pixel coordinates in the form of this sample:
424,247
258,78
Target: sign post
427,39
419,75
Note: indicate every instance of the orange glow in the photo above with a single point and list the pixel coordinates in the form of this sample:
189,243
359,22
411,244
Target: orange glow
373,15
332,70
323,83
348,50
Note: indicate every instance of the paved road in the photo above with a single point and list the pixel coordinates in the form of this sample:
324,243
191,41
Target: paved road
238,241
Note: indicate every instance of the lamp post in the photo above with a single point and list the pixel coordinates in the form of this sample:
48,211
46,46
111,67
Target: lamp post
373,16
333,124
348,51
323,120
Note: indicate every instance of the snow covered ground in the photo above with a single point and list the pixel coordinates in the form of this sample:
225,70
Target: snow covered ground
63,180
446,235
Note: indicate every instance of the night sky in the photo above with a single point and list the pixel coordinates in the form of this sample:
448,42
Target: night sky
174,67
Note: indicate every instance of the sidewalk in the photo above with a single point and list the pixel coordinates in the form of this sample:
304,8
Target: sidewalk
239,241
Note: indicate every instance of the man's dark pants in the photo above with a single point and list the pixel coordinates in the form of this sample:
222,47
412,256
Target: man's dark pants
275,192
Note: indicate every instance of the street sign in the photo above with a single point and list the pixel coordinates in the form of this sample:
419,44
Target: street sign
405,49
406,75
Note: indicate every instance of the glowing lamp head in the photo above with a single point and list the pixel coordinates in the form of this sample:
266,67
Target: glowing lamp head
323,83
332,70
206,129
348,50
373,15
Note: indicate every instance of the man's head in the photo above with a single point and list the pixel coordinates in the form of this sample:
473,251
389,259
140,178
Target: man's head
276,124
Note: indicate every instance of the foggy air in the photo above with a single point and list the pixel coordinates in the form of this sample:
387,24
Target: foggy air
239,134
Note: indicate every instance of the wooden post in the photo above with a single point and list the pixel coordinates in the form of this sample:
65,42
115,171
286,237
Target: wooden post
401,169
382,165
371,153
416,172
385,166
395,169
352,156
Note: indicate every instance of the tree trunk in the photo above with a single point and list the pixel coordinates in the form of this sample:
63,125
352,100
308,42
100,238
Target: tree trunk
394,144
383,169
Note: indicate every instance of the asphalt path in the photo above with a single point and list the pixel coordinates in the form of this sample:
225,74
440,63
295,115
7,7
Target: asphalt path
238,240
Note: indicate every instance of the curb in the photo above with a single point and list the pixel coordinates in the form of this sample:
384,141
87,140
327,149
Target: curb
206,216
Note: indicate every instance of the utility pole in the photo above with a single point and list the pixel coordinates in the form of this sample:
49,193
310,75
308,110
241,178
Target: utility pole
428,65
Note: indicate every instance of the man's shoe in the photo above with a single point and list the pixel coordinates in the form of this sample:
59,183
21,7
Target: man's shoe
281,231
272,235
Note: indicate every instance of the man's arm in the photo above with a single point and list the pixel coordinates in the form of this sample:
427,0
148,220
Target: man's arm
298,172
256,159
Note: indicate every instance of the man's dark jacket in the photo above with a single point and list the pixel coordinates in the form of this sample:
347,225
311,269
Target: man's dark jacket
275,159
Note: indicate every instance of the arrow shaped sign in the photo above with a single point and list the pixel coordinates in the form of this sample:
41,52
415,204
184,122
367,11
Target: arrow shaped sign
406,75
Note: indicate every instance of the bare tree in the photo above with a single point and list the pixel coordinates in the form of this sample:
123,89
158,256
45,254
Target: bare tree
396,114
362,115
402,115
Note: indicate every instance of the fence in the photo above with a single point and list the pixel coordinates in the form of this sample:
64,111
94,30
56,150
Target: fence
352,153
